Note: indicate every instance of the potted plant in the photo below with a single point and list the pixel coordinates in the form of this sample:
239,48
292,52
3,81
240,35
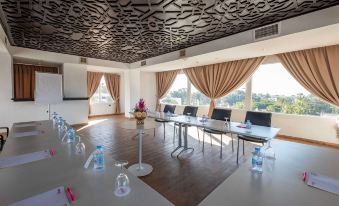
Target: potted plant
140,113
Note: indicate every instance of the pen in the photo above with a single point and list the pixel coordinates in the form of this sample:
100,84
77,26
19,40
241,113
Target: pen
70,194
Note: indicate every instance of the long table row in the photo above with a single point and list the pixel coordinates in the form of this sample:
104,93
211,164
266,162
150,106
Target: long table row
259,132
65,168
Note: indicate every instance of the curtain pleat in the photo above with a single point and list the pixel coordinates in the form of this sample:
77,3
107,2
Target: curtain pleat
113,86
317,70
93,81
218,80
24,79
164,81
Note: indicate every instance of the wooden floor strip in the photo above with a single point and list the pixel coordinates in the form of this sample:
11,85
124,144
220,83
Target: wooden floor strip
185,181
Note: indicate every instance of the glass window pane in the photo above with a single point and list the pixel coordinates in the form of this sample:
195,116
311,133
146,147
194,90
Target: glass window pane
235,99
275,90
102,94
178,91
199,98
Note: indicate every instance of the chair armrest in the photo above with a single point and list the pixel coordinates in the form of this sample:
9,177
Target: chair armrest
7,130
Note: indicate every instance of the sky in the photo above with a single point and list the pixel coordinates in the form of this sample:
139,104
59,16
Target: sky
269,78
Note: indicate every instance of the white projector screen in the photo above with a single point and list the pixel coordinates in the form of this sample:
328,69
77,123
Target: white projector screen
48,88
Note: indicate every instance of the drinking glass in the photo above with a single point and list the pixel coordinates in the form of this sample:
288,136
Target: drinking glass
227,123
269,151
80,146
122,187
188,115
204,119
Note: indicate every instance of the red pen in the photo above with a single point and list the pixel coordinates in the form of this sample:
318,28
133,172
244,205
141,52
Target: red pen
305,176
52,152
70,194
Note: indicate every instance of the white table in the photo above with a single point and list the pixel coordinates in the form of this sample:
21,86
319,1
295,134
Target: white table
260,132
140,169
281,182
66,169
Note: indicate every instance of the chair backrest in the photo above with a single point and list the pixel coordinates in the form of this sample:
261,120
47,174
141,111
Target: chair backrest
169,108
259,118
221,114
190,109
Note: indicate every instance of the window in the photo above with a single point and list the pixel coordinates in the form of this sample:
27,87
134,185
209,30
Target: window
178,91
198,98
101,95
275,90
235,99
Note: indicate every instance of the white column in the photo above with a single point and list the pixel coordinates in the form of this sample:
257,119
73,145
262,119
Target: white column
132,89
248,95
189,92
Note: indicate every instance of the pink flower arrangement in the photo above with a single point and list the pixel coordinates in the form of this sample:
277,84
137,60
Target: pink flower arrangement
140,106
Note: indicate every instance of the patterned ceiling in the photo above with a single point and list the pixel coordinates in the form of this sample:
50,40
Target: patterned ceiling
133,30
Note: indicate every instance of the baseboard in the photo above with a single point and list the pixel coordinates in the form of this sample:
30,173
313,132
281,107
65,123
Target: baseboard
308,141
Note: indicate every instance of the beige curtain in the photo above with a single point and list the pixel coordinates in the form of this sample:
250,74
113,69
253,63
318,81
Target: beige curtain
93,81
24,79
164,81
217,80
113,86
317,70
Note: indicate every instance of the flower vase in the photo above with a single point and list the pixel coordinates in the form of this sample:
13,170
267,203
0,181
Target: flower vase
140,117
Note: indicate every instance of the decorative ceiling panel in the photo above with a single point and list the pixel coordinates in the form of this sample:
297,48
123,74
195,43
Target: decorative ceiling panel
133,30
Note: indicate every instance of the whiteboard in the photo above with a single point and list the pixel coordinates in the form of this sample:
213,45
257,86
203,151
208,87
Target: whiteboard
48,88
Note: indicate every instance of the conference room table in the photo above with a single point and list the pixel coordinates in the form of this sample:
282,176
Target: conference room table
281,182
259,132
65,168
141,168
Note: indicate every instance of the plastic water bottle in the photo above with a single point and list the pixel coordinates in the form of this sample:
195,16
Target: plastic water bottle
70,135
99,158
55,118
61,123
257,161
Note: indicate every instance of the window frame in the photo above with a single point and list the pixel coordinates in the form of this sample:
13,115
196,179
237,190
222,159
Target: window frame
99,91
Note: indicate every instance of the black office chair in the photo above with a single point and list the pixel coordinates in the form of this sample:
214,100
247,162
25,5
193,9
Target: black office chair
218,114
256,118
2,139
193,113
167,108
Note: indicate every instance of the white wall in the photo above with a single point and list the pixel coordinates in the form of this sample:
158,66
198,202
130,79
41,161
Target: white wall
303,126
75,80
102,108
73,111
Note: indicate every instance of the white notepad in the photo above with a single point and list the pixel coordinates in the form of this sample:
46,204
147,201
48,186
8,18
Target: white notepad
25,158
55,197
322,182
27,134
27,124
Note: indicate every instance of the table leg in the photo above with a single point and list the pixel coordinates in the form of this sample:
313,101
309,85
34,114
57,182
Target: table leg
140,169
140,150
185,142
179,140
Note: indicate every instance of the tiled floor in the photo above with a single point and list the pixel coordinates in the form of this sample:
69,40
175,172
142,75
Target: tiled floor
184,181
